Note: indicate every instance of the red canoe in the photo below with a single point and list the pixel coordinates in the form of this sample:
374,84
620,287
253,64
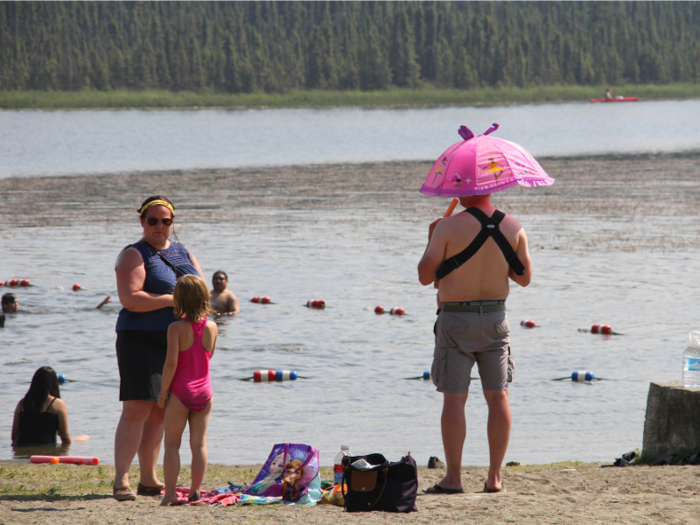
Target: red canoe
621,99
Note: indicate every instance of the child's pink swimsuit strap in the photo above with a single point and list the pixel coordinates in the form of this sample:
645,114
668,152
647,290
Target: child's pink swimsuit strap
192,384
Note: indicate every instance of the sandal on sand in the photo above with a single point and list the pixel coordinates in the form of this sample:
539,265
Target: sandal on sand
123,493
502,489
194,497
147,490
437,489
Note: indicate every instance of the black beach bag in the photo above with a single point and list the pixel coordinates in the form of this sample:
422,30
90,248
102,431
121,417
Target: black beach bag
391,487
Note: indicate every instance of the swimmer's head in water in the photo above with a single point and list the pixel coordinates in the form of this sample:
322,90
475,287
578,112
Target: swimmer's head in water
44,384
9,303
192,298
156,200
219,281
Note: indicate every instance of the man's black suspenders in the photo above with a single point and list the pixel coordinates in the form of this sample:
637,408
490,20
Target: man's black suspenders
489,228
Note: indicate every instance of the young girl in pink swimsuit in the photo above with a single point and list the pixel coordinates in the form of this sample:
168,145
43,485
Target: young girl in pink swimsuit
186,386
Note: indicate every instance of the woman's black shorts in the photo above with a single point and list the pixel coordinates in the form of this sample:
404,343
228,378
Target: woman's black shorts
141,356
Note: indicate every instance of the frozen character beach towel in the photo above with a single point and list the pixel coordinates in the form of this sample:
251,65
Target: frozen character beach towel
290,472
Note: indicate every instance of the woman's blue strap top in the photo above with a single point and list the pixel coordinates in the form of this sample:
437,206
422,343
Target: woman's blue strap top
160,279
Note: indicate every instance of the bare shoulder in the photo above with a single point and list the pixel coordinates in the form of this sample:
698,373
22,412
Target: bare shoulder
58,405
211,328
178,327
511,225
455,222
130,257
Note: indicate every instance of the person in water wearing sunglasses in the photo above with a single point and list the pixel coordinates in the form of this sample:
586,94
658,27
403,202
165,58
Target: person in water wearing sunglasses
146,275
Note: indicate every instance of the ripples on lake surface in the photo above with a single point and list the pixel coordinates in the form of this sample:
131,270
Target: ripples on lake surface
614,241
88,142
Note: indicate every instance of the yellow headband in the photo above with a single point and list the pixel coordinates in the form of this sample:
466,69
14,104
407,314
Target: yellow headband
157,203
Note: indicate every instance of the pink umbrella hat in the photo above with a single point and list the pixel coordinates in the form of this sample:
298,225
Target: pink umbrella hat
483,165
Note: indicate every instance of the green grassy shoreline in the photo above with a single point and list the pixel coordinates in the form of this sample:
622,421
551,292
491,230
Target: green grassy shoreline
394,98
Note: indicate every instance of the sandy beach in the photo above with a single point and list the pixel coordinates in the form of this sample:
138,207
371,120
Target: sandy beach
547,494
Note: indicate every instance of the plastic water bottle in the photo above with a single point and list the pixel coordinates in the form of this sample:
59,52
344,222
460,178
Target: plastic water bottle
338,462
691,362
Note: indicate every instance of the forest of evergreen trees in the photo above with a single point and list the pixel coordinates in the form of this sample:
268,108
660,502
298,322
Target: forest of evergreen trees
241,47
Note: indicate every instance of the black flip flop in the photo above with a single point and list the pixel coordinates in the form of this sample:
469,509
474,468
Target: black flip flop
486,489
437,489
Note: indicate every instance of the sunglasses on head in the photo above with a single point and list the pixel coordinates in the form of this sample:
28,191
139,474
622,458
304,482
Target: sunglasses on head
152,221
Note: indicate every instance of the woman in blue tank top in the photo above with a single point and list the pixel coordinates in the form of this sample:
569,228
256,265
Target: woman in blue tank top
146,275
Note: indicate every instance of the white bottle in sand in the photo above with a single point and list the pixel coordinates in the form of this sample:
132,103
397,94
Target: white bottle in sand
691,362
338,463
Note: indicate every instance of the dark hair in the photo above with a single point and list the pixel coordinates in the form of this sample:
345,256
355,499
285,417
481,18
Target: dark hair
217,272
154,198
44,383
2,320
9,298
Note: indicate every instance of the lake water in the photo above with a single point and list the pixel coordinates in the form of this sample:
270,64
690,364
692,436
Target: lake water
88,142
614,241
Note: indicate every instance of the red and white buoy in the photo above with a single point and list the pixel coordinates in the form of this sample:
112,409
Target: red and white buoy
604,329
528,324
24,282
77,287
13,282
397,311
255,299
316,303
379,309
265,300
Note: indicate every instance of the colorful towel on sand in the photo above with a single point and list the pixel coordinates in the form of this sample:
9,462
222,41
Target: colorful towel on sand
212,497
290,472
247,499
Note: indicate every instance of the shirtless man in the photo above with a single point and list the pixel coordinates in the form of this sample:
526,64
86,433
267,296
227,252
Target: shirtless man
472,326
223,302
